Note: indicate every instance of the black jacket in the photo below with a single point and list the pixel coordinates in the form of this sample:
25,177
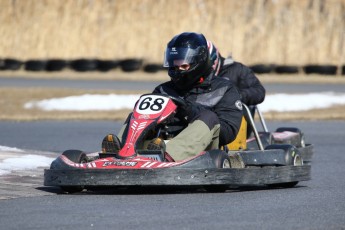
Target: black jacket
251,90
218,95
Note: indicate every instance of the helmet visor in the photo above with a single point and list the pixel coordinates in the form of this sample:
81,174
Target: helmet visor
178,56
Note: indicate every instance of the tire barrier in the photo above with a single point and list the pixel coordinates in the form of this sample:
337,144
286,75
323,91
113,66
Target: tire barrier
135,64
35,65
107,65
130,65
287,69
56,65
320,69
10,64
262,68
84,65
153,68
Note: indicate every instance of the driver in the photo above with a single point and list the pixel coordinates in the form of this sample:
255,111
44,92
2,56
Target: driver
212,111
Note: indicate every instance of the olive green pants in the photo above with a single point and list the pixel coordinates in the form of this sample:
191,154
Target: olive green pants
194,139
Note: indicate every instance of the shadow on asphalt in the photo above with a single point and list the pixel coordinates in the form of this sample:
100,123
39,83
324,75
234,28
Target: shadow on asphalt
154,190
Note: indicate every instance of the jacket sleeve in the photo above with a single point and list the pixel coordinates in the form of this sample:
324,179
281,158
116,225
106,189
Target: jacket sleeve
229,111
251,89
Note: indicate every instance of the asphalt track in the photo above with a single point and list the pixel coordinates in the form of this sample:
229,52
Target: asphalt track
315,204
150,85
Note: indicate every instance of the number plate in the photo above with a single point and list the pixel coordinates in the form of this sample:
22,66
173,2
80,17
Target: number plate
151,104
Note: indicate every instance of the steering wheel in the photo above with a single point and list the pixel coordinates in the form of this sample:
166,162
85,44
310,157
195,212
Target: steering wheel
178,101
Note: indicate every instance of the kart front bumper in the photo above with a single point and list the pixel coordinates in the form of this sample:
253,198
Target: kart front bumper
177,177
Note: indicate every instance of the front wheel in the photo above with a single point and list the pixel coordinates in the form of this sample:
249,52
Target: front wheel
221,160
76,156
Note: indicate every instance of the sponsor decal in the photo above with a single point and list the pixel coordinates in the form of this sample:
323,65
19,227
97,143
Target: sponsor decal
144,116
119,163
173,50
238,104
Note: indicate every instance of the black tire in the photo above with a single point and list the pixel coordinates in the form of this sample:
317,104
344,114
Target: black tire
83,65
107,65
286,69
320,69
291,129
10,64
130,65
76,156
56,65
261,68
292,157
35,65
221,160
153,68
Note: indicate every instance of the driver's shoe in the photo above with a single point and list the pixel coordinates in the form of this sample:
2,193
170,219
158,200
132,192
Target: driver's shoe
111,144
157,144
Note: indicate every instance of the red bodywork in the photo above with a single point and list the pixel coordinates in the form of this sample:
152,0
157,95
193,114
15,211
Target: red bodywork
149,110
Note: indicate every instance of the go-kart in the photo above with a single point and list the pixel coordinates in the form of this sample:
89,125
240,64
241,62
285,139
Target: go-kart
215,170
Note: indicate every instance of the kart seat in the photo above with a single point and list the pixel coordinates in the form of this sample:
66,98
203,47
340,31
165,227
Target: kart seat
240,141
246,129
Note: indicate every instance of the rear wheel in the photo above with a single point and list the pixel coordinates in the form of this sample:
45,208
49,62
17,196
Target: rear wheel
292,157
76,156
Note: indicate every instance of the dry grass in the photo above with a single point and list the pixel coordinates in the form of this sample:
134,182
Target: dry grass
13,100
283,32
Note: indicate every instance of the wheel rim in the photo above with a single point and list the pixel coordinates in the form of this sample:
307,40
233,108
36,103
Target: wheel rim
226,164
297,161
236,161
302,141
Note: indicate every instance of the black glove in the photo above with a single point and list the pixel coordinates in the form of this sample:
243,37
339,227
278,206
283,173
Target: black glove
189,110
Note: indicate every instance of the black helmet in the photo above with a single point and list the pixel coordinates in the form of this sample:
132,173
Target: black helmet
187,48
